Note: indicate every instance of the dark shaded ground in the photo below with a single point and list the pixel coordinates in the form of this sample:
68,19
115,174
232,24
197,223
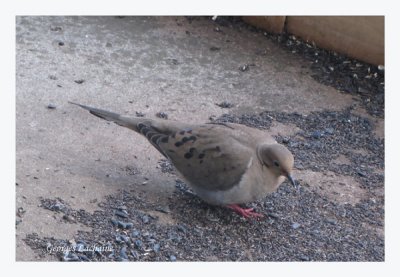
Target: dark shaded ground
302,225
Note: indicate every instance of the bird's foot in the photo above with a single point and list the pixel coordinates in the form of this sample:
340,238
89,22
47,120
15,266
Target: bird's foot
246,213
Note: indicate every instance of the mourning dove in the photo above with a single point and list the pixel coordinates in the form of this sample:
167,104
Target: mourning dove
224,163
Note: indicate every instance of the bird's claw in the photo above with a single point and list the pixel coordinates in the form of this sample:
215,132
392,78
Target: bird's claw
246,213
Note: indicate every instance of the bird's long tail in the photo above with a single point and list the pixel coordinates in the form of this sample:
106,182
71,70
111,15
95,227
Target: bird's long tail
129,122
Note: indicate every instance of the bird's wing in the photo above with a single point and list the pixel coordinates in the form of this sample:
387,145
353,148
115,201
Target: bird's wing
208,156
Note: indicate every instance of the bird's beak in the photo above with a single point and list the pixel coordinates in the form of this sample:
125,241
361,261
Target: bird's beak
292,181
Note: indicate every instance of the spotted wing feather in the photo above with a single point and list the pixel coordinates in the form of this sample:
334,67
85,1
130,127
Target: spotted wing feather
204,156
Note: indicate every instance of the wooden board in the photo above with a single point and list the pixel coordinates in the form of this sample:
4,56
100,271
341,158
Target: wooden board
273,24
360,37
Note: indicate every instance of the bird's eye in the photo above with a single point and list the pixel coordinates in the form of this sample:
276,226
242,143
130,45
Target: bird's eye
276,163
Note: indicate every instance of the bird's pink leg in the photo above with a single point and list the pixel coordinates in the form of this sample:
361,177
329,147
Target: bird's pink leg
247,213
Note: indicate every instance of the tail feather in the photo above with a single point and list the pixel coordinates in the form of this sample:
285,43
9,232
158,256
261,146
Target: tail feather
110,116
130,123
141,125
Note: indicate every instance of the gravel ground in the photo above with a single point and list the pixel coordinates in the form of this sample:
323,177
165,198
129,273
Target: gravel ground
314,223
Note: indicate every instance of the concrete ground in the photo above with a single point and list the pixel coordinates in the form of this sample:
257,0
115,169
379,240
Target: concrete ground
137,64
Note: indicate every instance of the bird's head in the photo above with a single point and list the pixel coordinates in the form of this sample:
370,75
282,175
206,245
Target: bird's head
278,159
